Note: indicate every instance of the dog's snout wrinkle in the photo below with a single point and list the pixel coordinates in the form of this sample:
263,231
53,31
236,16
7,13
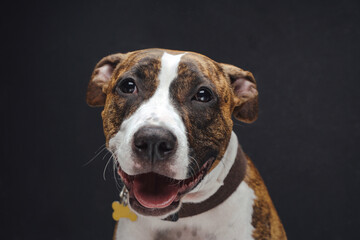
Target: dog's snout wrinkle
154,144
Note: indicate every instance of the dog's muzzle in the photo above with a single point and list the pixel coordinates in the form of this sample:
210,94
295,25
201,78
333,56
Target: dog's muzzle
153,190
154,194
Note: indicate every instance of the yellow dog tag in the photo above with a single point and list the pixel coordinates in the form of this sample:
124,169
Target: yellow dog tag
120,211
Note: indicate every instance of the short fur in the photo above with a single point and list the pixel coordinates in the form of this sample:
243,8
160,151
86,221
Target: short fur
204,134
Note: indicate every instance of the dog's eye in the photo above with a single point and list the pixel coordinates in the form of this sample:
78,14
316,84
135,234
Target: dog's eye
128,86
203,95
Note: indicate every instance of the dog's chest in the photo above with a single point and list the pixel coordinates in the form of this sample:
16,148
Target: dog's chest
230,220
185,233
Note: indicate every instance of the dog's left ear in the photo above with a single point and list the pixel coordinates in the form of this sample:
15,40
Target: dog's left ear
245,93
100,78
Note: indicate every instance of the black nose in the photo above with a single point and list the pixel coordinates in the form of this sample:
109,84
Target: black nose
154,143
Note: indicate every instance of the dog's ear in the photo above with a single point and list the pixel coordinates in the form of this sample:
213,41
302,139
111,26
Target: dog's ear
100,78
245,93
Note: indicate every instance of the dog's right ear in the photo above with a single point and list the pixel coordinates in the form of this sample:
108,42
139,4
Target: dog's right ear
100,78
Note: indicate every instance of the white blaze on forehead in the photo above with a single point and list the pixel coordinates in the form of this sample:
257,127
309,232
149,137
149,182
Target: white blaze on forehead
169,69
159,104
156,111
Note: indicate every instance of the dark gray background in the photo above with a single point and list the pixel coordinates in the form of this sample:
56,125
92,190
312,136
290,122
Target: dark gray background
304,55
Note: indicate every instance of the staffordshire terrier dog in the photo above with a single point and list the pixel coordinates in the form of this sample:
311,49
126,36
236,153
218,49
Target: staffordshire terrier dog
167,122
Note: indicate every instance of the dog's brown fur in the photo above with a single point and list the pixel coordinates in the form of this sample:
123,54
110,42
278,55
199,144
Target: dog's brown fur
232,99
265,219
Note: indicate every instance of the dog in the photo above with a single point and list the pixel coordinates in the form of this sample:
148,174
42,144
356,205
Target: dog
167,120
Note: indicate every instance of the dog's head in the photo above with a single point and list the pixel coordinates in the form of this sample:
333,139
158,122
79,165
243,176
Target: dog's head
167,120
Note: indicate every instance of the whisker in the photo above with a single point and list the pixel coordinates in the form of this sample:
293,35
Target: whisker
194,160
192,170
106,165
106,155
97,152
118,183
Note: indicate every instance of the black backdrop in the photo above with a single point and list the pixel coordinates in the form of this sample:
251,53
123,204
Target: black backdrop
304,55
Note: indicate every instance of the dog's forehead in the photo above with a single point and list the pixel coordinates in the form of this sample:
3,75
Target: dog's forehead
190,64
197,66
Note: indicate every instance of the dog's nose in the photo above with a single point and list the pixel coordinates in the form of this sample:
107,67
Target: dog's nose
154,143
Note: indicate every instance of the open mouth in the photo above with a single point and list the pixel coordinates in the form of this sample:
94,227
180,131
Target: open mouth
154,194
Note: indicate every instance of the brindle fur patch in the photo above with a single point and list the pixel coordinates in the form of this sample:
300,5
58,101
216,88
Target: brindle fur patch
119,106
197,71
265,219
208,125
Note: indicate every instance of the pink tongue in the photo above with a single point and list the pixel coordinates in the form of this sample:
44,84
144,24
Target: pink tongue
154,191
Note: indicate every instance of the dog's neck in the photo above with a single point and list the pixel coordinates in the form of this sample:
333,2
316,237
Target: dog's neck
218,185
215,179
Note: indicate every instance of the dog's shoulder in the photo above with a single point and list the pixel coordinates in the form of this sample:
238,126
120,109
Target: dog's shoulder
265,219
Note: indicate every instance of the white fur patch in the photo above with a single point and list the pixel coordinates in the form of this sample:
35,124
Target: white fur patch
168,71
157,111
229,220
